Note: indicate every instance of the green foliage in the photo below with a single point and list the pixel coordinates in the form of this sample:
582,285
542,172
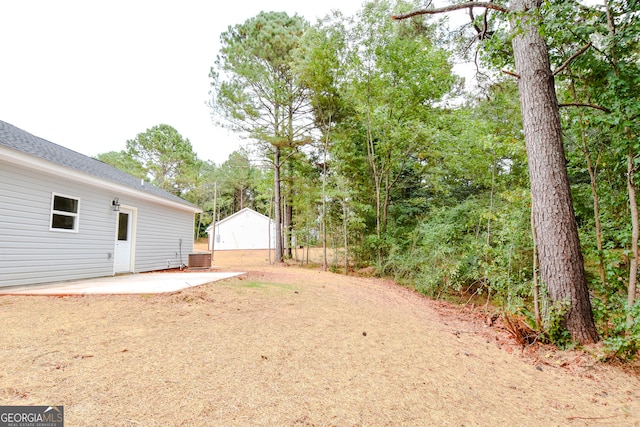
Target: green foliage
437,197
555,327
256,93
392,76
253,83
454,253
238,179
440,258
624,341
599,140
166,156
123,161
318,68
162,155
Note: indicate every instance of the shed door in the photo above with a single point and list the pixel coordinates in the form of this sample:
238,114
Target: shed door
122,258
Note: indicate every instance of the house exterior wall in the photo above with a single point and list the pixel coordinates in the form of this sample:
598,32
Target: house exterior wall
159,232
31,253
246,229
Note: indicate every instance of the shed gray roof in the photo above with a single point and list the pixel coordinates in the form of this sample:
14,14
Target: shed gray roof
18,139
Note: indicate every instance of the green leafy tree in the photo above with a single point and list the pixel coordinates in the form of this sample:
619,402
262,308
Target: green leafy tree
471,201
203,194
560,256
601,95
238,179
167,158
255,92
394,76
322,51
616,66
123,161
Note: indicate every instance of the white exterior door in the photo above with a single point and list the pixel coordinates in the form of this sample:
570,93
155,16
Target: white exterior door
124,234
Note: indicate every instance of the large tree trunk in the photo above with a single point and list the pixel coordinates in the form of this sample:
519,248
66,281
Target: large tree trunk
560,256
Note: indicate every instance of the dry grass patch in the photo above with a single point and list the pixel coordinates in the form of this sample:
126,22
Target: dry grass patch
287,346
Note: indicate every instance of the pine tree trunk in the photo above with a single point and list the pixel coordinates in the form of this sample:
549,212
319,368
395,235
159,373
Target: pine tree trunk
324,202
560,256
277,200
288,227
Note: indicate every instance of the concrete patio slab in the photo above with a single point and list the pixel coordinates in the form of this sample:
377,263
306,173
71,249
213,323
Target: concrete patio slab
143,283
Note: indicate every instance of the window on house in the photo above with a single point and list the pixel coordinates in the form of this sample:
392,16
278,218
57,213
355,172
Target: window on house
64,213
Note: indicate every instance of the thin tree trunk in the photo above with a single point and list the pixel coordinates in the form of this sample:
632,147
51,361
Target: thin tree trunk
387,196
288,221
270,216
324,210
371,156
592,169
198,228
289,193
635,231
596,207
631,187
277,203
560,256
371,152
308,245
215,218
345,235
325,264
491,196
536,284
286,247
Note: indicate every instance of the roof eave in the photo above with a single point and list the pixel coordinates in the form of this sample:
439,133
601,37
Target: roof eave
24,159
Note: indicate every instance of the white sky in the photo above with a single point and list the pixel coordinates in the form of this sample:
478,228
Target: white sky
90,75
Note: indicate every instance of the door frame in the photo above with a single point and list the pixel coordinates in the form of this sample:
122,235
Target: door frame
133,211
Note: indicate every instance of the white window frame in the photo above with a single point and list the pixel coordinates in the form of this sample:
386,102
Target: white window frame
74,215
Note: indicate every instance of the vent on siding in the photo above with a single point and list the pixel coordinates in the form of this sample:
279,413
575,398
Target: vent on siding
202,260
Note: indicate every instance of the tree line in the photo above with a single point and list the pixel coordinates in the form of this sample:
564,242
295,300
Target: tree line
521,193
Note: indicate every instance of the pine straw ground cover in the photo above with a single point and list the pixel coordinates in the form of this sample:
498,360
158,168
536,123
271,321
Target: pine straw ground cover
286,346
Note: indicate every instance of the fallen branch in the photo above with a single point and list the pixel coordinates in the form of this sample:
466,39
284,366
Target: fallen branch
519,330
590,418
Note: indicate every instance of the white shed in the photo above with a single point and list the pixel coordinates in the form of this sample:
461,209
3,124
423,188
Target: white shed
245,229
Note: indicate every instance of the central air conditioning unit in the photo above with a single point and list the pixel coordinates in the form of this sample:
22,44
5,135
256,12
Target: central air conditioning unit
201,260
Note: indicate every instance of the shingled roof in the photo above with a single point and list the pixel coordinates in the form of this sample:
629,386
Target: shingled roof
18,139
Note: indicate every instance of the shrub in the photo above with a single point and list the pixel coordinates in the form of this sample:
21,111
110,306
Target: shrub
624,342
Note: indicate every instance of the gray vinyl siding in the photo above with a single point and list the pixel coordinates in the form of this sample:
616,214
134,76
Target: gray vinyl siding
158,234
31,253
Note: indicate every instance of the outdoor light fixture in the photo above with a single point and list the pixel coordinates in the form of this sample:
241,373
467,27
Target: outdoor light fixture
116,204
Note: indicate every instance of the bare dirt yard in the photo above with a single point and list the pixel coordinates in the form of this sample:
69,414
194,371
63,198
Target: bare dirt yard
291,346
